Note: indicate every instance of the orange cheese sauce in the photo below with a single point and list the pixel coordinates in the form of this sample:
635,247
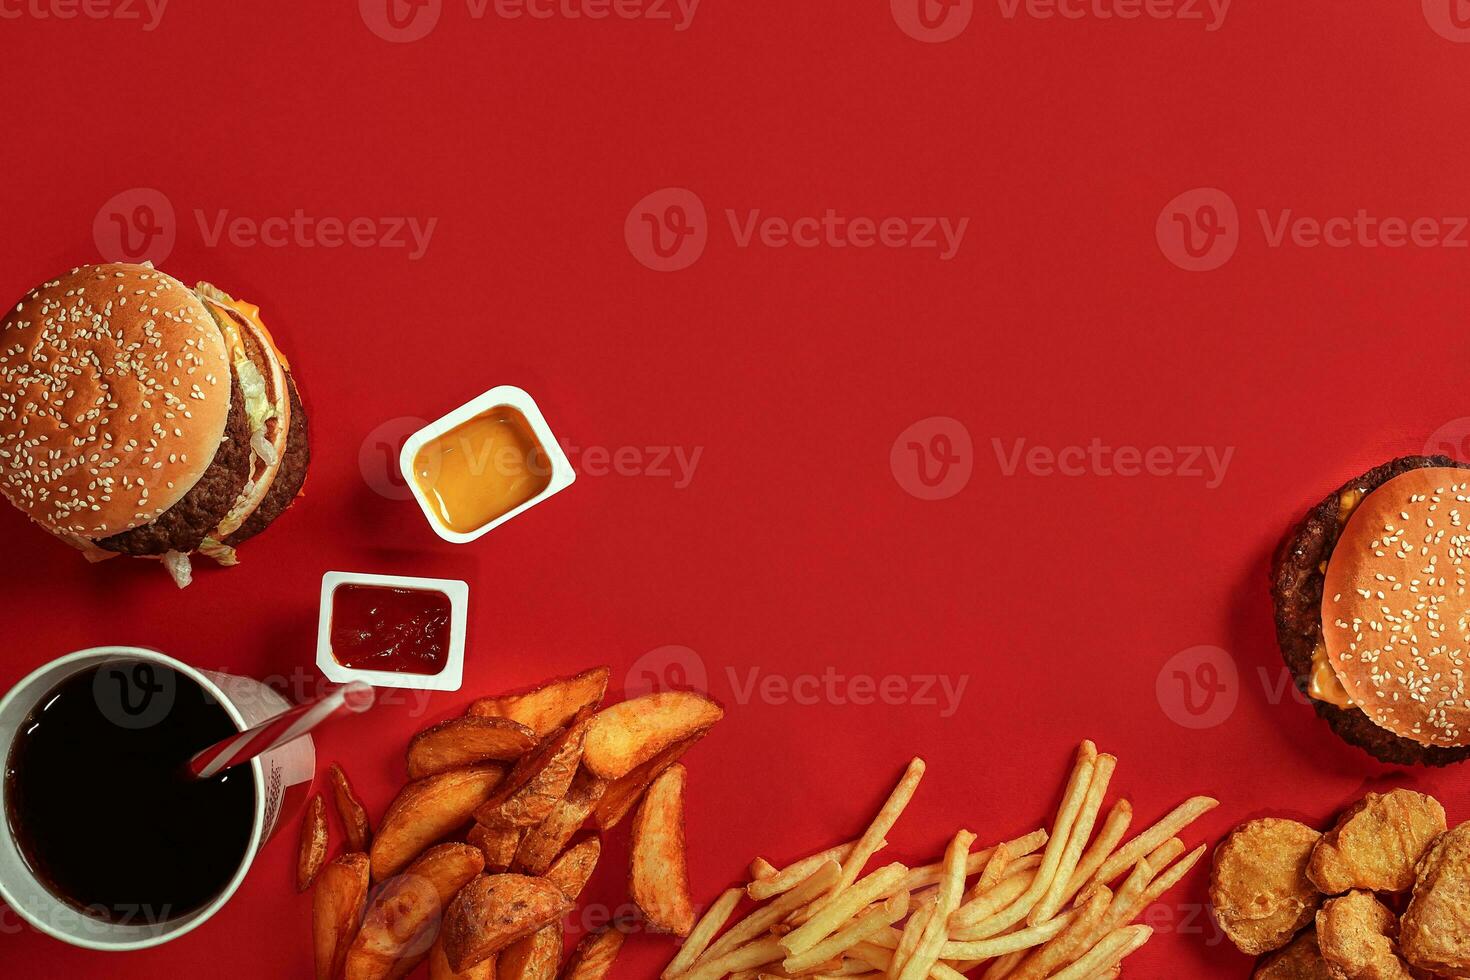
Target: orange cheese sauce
482,469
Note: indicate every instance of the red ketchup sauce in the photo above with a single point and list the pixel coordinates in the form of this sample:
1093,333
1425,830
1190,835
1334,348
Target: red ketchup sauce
403,631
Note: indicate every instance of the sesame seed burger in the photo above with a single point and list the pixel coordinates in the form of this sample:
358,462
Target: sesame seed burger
1372,597
141,417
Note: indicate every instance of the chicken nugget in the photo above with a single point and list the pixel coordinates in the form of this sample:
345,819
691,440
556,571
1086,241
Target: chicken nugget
1302,960
1376,843
1259,888
1435,933
1358,936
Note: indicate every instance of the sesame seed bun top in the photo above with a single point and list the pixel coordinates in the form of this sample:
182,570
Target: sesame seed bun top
114,393
1395,608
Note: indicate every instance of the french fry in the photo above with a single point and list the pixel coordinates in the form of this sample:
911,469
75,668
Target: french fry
758,953
753,925
494,911
551,705
1170,877
1114,829
1052,858
1076,939
1128,895
704,932
537,783
1056,892
951,891
876,918
660,876
623,794
929,874
875,887
427,811
1107,954
337,907
536,957
874,836
760,868
909,938
970,922
313,852
622,737
574,867
794,874
1004,966
1139,847
499,846
403,920
439,965
594,956
1011,942
881,960
350,809
543,842
462,742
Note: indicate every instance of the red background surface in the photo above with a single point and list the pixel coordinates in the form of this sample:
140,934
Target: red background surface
795,548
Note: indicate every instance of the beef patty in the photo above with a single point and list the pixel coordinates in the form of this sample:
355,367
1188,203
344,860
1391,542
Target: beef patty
184,526
1297,575
290,477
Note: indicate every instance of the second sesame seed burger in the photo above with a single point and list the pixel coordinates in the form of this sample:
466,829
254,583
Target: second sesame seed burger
141,417
1372,594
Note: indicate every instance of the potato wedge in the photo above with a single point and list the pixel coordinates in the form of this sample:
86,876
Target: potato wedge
499,845
350,809
660,876
462,742
535,957
550,706
537,783
571,871
427,811
439,965
547,839
404,919
313,853
623,794
337,906
594,956
493,912
624,736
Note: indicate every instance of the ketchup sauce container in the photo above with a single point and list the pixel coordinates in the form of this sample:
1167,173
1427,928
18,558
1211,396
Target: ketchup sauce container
393,630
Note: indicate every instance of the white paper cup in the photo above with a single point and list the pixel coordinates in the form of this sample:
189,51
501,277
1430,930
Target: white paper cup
248,702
